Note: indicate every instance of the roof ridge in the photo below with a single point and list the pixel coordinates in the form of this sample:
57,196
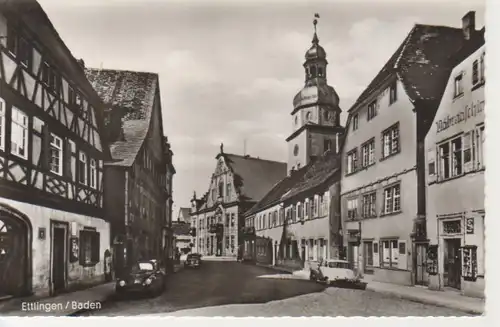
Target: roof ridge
254,158
120,70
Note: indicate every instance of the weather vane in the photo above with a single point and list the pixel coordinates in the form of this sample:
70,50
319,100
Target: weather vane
315,21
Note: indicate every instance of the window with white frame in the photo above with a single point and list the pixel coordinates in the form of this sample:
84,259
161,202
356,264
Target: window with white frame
459,87
372,110
93,173
355,122
300,211
56,154
82,168
19,134
2,124
352,209
390,141
369,205
392,199
368,153
390,253
481,67
393,92
475,72
352,161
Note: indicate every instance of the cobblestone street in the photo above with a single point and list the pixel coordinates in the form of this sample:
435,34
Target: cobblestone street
233,289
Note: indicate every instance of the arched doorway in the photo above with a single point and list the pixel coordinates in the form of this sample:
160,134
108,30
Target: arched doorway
15,252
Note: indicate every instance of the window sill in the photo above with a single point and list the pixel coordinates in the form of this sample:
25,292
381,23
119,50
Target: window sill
458,176
391,268
390,155
367,166
458,96
395,213
478,85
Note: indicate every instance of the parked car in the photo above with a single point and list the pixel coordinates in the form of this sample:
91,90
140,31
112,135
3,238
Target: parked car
144,277
193,260
336,273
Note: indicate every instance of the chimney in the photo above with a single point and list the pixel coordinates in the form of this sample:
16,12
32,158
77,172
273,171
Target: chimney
469,24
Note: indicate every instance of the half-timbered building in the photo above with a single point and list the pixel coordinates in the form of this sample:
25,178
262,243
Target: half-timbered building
138,182
53,231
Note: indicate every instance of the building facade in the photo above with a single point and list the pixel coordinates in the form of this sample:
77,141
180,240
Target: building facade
293,225
455,177
53,228
182,236
138,183
383,171
237,183
183,215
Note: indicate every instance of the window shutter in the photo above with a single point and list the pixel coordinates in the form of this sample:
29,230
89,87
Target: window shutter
402,257
376,255
67,158
45,157
431,165
95,246
467,152
81,247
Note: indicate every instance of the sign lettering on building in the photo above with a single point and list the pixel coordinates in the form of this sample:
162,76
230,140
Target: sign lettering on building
460,117
469,225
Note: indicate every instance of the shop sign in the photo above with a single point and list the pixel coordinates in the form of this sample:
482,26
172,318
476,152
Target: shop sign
469,225
469,111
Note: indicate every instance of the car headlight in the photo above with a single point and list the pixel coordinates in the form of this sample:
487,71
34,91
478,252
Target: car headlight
148,281
121,283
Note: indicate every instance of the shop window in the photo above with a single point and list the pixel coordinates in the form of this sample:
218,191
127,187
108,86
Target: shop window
390,253
89,247
469,262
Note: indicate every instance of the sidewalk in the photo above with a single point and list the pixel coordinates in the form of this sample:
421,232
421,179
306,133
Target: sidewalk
424,295
61,305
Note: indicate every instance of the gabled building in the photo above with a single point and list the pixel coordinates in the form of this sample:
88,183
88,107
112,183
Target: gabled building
182,236
183,215
237,184
53,228
455,179
138,183
297,221
383,171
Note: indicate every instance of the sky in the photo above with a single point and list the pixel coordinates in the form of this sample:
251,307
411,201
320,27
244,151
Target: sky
229,69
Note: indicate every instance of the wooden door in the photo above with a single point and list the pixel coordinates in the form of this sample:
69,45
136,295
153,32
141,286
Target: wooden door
59,258
421,277
13,256
452,264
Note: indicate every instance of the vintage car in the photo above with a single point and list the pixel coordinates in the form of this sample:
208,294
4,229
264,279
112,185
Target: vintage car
336,273
145,276
193,260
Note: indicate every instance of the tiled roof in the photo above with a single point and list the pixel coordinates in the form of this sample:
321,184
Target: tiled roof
316,175
421,62
181,228
254,176
477,41
134,92
274,195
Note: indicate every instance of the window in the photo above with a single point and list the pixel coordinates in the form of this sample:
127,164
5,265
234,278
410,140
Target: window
228,191
89,247
457,157
78,100
368,153
475,72
369,205
392,199
326,115
93,173
481,147
300,211
25,52
393,92
352,209
320,71
308,116
82,168
352,161
444,160
2,124
232,242
221,189
19,134
355,122
232,220
390,139
431,162
275,218
71,95
372,110
459,89
49,77
12,41
390,253
481,66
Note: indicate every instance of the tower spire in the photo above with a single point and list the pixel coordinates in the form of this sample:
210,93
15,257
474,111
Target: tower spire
315,22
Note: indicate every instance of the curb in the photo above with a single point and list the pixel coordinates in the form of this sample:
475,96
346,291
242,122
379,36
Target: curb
418,299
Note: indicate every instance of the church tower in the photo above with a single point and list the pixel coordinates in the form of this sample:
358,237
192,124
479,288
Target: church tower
316,113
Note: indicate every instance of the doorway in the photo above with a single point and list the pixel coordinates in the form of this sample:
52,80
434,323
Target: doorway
452,263
421,277
59,255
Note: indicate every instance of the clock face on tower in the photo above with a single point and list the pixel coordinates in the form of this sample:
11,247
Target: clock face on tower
296,150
